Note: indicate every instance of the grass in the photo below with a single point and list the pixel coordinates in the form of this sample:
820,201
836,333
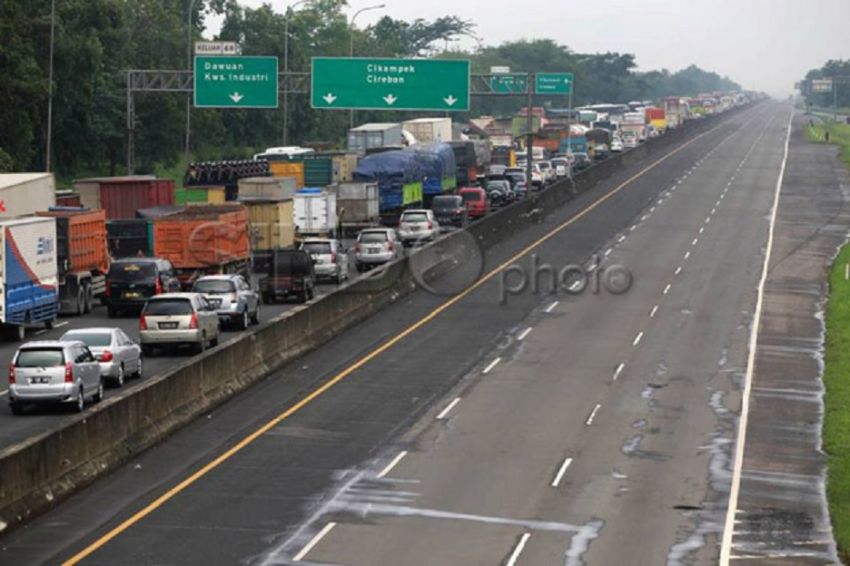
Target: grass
836,425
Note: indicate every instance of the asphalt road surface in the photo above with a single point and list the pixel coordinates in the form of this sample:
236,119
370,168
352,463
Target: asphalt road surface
548,428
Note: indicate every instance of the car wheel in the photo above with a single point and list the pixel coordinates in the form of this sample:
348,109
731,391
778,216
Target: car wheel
119,379
243,320
139,369
214,342
202,345
255,318
80,402
98,396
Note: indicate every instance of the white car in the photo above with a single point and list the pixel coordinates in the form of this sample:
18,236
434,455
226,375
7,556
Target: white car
616,145
562,166
330,259
549,175
418,225
376,246
173,319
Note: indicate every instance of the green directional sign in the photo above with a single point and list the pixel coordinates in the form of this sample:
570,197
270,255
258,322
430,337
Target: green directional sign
509,83
390,84
553,83
235,82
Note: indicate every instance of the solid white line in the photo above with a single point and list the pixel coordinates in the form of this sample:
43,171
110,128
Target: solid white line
552,306
618,371
653,311
687,255
492,365
40,332
4,392
589,420
524,333
561,471
667,288
392,464
621,239
678,270
518,550
726,544
636,341
695,241
450,406
313,542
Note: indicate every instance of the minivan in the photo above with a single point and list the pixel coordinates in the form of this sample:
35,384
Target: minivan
130,282
285,274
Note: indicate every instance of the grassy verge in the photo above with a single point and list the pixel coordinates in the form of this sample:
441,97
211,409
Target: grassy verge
838,134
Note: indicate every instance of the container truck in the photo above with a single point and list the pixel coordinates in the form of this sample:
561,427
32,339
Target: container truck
399,178
357,206
429,129
25,193
674,111
377,134
82,257
267,188
271,223
28,275
656,117
314,213
120,197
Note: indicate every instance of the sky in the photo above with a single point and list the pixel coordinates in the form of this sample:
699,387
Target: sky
763,45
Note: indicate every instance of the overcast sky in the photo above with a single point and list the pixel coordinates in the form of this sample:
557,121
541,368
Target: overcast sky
762,44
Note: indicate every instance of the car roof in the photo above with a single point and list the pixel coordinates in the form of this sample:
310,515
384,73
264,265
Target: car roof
92,329
137,260
49,344
223,277
174,296
382,230
416,210
317,240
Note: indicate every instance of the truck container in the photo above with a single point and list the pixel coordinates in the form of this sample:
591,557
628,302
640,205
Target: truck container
318,170
267,188
357,205
68,199
130,238
656,117
28,274
204,239
429,129
344,166
439,168
25,193
82,257
314,212
377,134
674,111
271,223
503,155
120,197
465,162
89,188
399,178
290,169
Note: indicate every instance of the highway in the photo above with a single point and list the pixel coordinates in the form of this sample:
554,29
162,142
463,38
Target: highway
548,428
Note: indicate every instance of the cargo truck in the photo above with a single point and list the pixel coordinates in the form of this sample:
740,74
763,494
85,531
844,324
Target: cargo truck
82,257
28,275
315,212
25,193
357,206
429,129
374,135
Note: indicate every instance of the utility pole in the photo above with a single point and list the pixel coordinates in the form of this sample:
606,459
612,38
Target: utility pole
49,144
189,67
351,46
289,11
529,126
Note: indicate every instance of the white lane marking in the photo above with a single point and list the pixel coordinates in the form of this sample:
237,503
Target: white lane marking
644,217
518,550
726,543
551,307
713,210
707,219
723,194
618,371
524,333
637,339
608,252
701,229
678,270
695,241
492,364
667,288
653,311
576,286
60,324
4,392
592,416
313,542
621,239
40,332
687,255
561,471
448,409
392,464
652,209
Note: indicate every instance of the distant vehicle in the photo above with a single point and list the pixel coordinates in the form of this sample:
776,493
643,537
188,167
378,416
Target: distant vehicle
499,192
376,246
132,281
330,259
652,132
233,299
175,319
616,145
285,274
116,353
496,169
283,153
630,140
418,225
476,201
561,165
449,210
600,151
54,372
516,179
582,161
538,177
549,174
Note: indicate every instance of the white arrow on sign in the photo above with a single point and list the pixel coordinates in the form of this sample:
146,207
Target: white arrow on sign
329,98
236,97
450,100
390,99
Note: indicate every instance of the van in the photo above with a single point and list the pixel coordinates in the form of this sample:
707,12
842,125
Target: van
284,274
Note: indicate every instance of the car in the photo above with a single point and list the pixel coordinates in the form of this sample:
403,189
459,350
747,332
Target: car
330,258
601,152
582,160
476,201
630,140
177,319
616,145
116,353
561,165
499,192
538,177
450,211
376,246
549,175
286,273
418,225
234,300
54,372
130,282
496,170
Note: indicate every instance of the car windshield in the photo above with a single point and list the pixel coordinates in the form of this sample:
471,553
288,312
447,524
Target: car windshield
295,262
373,237
91,339
443,203
40,358
470,196
214,286
414,217
317,248
168,307
124,272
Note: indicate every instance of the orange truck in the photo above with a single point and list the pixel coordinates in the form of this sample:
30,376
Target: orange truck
81,256
204,239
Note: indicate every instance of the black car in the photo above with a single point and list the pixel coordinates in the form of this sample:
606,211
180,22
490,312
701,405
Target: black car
284,274
449,210
131,281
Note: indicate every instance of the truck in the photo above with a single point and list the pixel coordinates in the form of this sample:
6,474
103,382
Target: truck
674,111
82,257
377,134
25,193
357,206
634,122
656,117
28,274
429,129
315,212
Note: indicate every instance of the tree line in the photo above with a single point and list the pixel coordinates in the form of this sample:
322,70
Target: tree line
97,41
840,71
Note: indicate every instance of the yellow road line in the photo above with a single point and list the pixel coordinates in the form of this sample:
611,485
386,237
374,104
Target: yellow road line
226,455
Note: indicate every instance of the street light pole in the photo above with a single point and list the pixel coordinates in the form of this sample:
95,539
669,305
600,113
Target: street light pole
351,46
48,149
189,67
289,10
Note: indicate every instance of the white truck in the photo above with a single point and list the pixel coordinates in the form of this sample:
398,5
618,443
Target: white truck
26,193
430,129
28,275
315,213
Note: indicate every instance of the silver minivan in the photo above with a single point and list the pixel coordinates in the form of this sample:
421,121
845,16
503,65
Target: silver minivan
330,259
175,319
376,246
54,372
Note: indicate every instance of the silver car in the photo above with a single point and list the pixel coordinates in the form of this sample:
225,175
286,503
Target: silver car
176,319
376,246
418,226
54,372
330,260
235,302
117,354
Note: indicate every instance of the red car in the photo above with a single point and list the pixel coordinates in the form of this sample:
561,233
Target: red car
476,201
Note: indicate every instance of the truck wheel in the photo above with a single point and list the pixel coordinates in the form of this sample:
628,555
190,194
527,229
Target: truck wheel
81,301
89,298
48,324
17,333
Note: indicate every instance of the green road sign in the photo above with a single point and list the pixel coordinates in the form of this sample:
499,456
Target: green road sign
235,82
509,83
554,83
390,84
